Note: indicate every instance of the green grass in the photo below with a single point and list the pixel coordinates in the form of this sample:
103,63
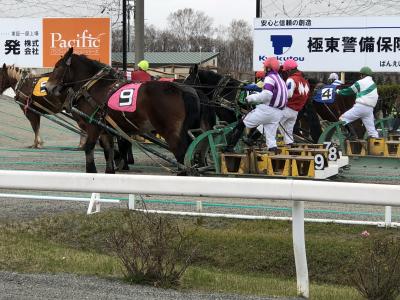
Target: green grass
248,257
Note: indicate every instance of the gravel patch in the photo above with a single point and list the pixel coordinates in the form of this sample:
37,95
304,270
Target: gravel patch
66,286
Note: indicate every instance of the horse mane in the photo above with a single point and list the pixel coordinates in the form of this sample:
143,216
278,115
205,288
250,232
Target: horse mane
94,65
14,72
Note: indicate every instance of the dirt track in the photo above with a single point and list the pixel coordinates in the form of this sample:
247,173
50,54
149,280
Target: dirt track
59,154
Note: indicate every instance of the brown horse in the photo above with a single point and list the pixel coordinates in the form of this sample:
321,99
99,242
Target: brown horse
161,106
23,84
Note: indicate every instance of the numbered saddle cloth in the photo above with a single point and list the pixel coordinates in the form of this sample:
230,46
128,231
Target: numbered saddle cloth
326,94
40,87
124,99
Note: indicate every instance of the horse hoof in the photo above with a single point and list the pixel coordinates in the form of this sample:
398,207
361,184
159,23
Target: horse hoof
110,171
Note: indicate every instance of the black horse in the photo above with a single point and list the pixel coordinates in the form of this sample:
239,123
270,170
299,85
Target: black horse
223,92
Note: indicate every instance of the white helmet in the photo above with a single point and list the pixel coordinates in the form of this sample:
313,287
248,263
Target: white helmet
333,76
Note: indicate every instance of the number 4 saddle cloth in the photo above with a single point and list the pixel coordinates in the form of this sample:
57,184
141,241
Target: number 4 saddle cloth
326,94
124,98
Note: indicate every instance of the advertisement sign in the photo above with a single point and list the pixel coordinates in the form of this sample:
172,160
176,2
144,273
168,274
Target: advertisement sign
37,42
89,36
330,44
21,42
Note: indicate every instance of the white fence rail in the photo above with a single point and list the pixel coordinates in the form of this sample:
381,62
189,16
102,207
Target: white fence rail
277,189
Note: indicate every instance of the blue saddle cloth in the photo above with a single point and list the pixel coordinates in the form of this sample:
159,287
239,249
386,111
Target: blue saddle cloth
252,88
326,94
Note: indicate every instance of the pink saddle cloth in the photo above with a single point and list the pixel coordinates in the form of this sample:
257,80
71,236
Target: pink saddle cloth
124,99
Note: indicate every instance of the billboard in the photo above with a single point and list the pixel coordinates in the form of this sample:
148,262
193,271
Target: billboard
330,44
37,42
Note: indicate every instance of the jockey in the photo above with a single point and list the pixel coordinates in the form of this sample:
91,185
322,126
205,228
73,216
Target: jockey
140,75
260,75
271,102
333,79
366,98
259,83
298,91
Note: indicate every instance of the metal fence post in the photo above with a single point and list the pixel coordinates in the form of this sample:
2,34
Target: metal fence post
299,247
388,216
131,202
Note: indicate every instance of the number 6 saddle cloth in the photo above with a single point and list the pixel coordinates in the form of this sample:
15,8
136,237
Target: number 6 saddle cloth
325,94
124,98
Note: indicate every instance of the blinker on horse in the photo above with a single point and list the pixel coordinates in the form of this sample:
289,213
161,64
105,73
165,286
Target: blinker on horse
163,107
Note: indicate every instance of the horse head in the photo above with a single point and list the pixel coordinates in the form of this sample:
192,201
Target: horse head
62,75
9,76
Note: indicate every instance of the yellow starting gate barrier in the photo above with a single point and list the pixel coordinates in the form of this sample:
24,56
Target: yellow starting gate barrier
307,164
381,147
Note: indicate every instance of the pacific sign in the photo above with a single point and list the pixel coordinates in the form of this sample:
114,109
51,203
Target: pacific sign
39,43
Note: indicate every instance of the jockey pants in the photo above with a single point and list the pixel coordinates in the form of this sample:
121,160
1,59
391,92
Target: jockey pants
266,118
287,122
363,112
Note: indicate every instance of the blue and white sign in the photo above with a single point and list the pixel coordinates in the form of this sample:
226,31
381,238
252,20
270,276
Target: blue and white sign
330,44
326,94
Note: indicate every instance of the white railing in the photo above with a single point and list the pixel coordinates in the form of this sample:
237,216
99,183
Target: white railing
277,189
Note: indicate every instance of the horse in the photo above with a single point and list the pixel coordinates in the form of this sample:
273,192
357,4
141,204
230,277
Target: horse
222,91
332,112
23,84
164,107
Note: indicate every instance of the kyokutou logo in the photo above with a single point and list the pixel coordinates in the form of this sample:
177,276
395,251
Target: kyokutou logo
281,43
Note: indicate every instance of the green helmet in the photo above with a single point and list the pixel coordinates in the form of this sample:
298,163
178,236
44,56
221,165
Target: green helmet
144,65
366,71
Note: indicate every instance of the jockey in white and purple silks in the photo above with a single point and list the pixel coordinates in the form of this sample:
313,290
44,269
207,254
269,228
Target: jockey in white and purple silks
268,112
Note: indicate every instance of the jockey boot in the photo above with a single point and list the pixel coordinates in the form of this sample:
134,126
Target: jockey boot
234,137
252,137
275,150
396,125
351,132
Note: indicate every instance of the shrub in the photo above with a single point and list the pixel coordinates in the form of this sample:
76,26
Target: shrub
377,271
152,248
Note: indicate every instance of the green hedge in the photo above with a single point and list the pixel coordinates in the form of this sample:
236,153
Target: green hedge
388,93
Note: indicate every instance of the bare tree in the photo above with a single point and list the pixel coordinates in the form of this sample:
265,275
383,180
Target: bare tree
189,26
318,8
235,45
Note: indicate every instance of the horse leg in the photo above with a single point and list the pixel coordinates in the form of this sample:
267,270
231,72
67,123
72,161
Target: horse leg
92,137
34,120
126,156
107,142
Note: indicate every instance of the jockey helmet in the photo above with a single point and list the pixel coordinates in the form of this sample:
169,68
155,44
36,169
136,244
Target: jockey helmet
333,76
144,65
366,71
272,63
289,64
260,74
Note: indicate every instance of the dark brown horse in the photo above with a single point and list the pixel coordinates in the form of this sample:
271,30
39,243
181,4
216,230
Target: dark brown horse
223,92
161,106
332,112
23,84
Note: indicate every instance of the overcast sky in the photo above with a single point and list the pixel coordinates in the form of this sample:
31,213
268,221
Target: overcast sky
156,11
222,11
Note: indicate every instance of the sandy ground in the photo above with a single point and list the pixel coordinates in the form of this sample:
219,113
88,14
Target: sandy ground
59,154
